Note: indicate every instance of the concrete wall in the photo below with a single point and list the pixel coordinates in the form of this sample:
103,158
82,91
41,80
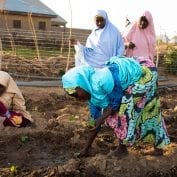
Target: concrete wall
52,34
6,21
26,31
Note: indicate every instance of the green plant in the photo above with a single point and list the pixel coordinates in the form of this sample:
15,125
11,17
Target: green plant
170,61
91,122
72,118
13,169
24,138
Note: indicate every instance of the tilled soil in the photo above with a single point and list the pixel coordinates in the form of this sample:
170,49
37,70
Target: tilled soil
50,147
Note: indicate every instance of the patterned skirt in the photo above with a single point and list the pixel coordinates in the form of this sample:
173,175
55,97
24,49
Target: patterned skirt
139,117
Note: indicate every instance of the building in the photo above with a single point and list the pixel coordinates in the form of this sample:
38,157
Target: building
27,15
31,23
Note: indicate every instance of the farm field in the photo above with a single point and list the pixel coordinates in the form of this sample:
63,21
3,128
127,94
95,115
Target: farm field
49,147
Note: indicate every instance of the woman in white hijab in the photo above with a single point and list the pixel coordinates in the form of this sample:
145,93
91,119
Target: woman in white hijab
104,42
12,103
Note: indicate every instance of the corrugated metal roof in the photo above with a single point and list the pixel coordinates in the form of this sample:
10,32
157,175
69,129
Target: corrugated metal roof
58,19
26,6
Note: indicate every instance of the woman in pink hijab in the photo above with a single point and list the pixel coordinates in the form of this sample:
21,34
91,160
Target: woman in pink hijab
140,40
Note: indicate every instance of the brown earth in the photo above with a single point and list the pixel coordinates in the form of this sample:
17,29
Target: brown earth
49,149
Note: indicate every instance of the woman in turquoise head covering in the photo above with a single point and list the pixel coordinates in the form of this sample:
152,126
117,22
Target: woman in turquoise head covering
124,96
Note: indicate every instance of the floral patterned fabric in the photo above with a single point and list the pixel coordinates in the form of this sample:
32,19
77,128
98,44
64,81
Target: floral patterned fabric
139,117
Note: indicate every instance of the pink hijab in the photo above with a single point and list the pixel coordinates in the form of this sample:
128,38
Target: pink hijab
144,39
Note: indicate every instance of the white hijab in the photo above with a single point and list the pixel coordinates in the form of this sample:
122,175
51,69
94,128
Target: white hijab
102,44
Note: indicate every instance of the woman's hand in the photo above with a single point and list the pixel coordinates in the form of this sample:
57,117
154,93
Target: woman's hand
97,124
131,45
107,112
73,41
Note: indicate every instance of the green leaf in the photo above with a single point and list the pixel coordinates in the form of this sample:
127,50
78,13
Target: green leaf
91,122
72,118
13,169
24,139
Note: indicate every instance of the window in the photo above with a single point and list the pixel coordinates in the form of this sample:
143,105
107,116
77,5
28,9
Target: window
16,23
42,25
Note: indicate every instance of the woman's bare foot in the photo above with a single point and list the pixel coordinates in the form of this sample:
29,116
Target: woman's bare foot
153,152
120,152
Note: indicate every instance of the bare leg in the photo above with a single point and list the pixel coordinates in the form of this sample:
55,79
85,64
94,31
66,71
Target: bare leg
121,150
85,151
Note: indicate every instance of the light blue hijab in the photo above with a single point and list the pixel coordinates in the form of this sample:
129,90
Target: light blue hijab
104,43
100,82
78,77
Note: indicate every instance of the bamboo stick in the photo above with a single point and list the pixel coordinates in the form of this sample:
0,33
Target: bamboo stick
34,36
0,54
12,42
70,33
